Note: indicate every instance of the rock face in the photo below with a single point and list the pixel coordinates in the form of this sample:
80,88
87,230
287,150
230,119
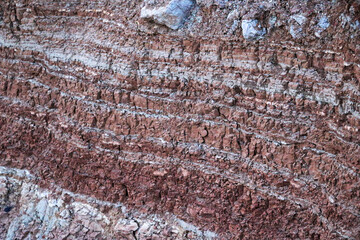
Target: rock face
58,214
179,119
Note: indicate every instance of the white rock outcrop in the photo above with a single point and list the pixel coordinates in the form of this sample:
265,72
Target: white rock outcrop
252,29
297,23
171,15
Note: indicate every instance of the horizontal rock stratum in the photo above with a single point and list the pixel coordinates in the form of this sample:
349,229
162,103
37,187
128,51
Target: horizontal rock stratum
179,119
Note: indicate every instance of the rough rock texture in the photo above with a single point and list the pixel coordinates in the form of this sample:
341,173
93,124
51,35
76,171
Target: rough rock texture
172,15
243,120
36,213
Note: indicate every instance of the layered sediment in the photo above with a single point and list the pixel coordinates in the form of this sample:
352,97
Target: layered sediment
239,119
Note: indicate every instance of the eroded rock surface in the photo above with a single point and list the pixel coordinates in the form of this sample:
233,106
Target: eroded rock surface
231,127
38,213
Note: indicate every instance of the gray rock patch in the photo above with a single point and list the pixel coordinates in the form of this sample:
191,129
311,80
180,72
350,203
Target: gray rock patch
172,15
297,23
323,22
252,29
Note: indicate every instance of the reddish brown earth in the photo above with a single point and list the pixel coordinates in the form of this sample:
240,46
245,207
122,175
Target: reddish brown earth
243,121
